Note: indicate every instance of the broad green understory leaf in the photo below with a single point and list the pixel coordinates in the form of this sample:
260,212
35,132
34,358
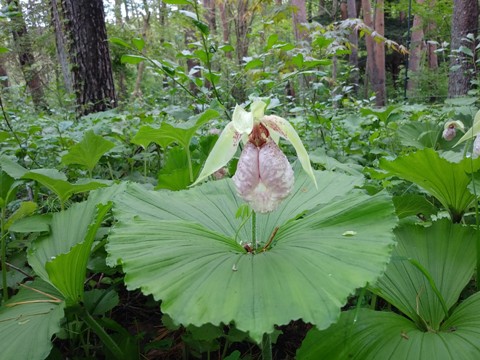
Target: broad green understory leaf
61,257
168,134
447,181
441,256
185,248
379,335
29,320
447,252
88,151
52,179
413,205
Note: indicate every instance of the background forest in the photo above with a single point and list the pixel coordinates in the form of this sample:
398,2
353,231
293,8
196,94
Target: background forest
111,109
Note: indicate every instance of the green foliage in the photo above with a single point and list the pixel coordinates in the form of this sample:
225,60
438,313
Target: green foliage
429,269
445,180
193,249
187,240
88,151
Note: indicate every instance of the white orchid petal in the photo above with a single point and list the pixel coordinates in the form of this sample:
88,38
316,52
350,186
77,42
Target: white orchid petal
223,150
242,120
283,128
258,109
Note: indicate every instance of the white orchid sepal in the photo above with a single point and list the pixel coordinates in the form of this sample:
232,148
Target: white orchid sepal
281,127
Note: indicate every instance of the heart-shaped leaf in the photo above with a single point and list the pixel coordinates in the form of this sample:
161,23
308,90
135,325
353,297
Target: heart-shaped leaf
88,151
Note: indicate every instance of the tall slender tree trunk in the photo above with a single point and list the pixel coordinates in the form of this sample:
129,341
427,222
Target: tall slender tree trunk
464,21
376,50
4,83
137,92
118,12
225,23
61,46
26,58
89,55
243,19
353,39
210,7
380,84
299,16
416,49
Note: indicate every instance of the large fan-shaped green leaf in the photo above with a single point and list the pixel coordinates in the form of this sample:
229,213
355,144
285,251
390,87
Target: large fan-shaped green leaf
377,335
88,151
445,180
29,320
60,258
447,252
181,247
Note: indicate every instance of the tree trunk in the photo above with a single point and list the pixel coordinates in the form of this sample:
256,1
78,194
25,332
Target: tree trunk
26,58
299,15
89,55
3,73
137,92
225,24
376,51
61,46
416,49
241,29
242,19
344,10
209,6
118,12
353,39
378,81
464,21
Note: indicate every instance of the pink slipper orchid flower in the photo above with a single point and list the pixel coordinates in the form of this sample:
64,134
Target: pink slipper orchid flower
264,177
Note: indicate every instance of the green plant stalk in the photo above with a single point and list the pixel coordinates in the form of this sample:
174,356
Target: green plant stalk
477,225
4,255
432,284
207,52
101,333
254,229
242,225
266,347
4,268
189,160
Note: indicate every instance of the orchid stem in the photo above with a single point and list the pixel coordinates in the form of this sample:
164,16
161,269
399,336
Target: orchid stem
266,347
254,229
